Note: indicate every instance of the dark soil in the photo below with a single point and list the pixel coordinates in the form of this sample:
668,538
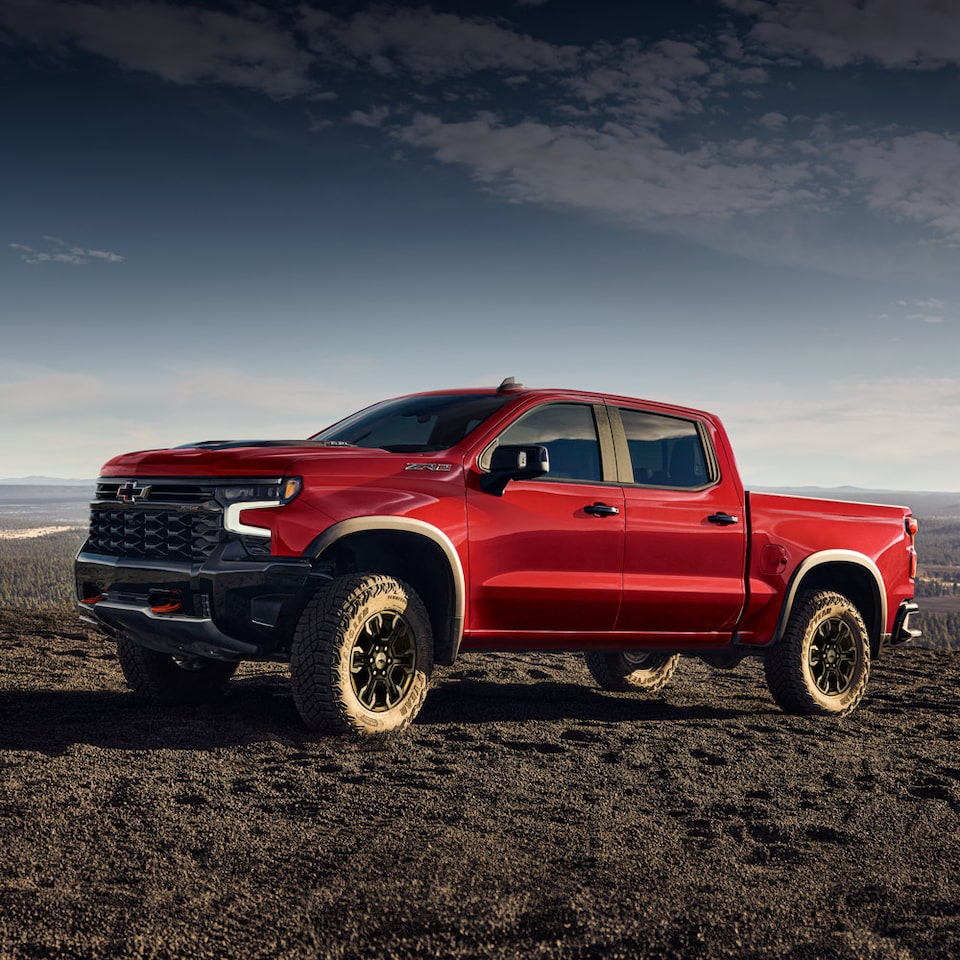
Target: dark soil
525,814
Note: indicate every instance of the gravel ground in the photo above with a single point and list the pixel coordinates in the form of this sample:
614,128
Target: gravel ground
525,814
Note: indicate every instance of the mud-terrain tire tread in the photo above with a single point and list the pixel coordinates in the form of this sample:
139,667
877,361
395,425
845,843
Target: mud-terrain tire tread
320,651
612,671
156,676
788,681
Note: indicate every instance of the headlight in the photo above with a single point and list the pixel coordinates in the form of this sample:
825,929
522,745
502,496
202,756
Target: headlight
255,496
280,491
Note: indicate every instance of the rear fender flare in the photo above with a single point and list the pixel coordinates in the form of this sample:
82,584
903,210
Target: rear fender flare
823,558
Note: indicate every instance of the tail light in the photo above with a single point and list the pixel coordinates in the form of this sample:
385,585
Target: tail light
912,527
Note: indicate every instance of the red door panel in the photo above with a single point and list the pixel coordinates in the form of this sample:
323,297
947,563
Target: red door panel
682,573
538,561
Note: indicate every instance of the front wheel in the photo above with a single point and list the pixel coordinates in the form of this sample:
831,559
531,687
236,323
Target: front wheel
361,656
161,676
822,663
625,670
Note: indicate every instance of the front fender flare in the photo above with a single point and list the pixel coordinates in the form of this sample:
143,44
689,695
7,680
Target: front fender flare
422,529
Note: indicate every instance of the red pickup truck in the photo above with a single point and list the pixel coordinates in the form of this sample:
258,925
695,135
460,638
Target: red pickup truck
485,519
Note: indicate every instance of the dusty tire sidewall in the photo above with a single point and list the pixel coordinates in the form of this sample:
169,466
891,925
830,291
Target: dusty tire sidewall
846,701
370,599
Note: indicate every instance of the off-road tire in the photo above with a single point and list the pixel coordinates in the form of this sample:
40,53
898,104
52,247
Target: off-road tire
626,671
161,676
822,663
361,656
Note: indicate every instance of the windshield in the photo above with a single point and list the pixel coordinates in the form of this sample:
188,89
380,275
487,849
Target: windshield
416,424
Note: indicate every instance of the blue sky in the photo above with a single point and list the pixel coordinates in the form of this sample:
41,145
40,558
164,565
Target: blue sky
237,220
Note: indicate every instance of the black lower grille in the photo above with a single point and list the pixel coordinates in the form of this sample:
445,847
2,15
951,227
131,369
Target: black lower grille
154,534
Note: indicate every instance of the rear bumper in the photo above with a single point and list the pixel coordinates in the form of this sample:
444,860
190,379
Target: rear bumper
226,609
902,631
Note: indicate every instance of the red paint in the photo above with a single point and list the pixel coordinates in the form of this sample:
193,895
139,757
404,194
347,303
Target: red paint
668,570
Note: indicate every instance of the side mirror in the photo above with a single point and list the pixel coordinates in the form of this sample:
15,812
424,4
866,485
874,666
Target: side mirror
514,463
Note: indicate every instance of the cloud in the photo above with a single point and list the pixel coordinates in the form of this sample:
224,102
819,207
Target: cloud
59,251
773,120
918,34
374,117
430,45
630,174
181,44
914,177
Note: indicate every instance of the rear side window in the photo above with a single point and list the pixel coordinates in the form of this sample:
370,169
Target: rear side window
568,431
664,451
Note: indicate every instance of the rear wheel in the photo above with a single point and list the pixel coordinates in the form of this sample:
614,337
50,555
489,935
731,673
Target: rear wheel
161,676
361,656
626,670
822,663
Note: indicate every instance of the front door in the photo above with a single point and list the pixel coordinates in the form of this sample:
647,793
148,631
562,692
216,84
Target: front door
547,555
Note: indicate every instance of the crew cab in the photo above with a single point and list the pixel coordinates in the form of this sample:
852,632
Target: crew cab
485,520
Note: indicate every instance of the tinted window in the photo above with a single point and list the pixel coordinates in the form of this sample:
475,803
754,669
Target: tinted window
664,451
416,424
569,433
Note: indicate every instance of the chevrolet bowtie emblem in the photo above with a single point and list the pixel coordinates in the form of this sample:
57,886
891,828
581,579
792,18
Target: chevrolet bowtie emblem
128,492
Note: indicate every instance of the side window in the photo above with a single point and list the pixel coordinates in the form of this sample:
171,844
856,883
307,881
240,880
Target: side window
664,451
568,431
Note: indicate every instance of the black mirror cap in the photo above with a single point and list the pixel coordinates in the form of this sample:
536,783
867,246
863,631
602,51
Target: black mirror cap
514,462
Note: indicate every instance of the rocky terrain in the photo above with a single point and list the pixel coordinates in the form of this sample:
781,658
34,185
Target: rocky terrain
525,814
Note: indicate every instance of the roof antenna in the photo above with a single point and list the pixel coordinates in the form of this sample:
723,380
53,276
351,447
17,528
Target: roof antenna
509,384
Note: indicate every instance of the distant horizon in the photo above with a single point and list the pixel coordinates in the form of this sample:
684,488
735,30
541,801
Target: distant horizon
42,480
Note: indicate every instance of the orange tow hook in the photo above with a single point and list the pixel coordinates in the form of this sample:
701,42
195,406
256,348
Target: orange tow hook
172,607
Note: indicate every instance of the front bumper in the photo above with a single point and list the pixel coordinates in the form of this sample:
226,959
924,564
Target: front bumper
223,608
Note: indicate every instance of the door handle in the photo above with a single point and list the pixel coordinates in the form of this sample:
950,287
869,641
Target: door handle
723,519
601,510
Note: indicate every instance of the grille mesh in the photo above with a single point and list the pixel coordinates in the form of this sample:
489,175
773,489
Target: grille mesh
154,534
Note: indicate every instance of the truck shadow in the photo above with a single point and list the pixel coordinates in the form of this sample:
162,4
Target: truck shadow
488,701
261,709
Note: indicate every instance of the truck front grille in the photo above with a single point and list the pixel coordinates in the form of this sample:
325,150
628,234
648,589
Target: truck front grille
152,533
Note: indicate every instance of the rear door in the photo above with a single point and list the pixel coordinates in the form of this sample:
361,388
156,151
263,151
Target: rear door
686,531
547,555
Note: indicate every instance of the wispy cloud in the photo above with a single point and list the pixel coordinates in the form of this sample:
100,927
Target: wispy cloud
181,43
917,34
57,250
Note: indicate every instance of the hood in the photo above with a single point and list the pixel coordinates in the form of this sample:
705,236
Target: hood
222,458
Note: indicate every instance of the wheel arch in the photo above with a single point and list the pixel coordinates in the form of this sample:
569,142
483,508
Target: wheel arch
412,550
849,573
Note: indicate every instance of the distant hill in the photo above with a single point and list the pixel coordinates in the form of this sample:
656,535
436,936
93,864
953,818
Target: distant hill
47,481
927,504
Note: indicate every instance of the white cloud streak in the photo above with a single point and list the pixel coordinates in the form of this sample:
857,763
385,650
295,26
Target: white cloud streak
59,251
